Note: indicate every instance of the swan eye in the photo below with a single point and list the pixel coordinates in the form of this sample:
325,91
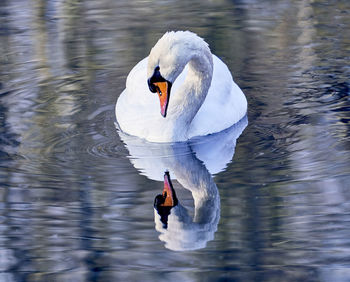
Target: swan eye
156,77
151,86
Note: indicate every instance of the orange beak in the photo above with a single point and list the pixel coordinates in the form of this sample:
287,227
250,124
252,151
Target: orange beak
163,90
168,192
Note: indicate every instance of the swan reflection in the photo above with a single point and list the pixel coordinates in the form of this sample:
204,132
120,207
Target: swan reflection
192,165
178,230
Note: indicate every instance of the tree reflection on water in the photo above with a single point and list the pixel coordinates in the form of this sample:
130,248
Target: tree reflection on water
73,207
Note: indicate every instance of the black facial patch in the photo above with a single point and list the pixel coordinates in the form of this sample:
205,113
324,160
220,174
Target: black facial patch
163,211
156,77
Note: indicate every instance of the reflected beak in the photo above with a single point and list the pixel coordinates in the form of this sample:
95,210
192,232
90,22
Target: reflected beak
166,201
163,90
168,192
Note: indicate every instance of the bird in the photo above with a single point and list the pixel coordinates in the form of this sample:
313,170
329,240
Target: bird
194,90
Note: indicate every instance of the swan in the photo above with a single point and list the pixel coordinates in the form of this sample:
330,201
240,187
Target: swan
196,93
191,164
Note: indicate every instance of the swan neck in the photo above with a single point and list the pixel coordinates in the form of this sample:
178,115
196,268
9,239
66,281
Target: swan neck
190,96
195,177
206,203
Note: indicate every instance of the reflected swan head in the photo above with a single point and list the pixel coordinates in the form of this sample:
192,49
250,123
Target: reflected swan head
164,202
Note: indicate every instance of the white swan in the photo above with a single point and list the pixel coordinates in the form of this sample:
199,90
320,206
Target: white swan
197,95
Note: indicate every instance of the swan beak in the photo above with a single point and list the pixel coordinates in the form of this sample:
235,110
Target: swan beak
168,192
166,201
163,90
168,198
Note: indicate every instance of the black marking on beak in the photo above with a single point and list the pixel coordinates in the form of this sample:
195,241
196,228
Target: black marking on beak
159,200
156,77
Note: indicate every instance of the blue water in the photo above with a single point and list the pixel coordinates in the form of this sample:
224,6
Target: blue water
76,196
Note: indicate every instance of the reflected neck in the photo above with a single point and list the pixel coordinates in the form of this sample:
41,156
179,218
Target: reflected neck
192,174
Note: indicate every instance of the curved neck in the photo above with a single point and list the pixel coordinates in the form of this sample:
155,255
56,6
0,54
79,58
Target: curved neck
192,174
185,232
188,99
205,195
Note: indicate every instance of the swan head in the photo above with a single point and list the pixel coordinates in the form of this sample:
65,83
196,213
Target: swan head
167,60
164,202
158,84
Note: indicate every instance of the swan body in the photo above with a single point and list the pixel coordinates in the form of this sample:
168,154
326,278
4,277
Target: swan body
203,98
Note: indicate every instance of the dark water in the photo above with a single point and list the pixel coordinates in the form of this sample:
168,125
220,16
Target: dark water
74,207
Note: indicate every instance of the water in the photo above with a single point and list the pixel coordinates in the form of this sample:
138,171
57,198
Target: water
77,201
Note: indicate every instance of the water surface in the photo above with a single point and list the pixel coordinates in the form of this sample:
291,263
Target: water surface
75,207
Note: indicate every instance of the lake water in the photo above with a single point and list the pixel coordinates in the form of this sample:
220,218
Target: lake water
77,196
